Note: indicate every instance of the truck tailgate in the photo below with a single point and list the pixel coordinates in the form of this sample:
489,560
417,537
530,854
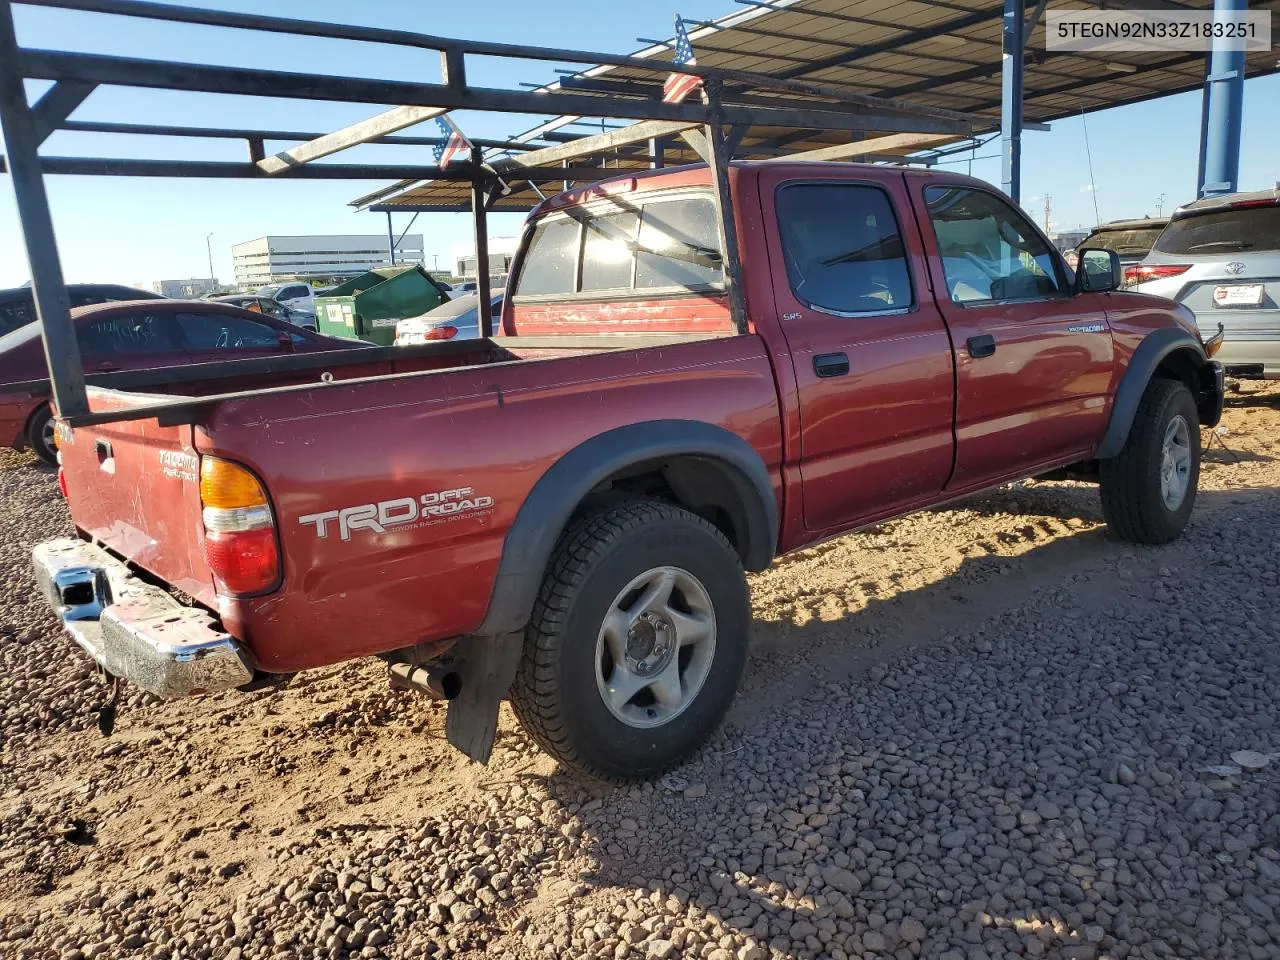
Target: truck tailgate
134,487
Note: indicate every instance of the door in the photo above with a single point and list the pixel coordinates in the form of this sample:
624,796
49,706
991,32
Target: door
871,354
1033,359
129,341
220,336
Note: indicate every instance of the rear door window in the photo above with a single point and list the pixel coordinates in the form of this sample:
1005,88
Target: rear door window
551,264
128,335
1248,230
215,331
679,245
843,249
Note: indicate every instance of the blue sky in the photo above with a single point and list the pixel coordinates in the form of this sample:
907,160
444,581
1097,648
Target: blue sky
128,230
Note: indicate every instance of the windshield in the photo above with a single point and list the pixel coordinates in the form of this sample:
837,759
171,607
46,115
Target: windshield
271,290
1251,229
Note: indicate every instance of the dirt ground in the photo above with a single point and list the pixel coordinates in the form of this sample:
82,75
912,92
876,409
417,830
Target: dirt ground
982,731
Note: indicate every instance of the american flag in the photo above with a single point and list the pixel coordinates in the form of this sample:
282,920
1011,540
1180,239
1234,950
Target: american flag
680,85
453,144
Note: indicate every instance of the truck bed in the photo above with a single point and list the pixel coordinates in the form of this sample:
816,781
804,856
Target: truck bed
417,423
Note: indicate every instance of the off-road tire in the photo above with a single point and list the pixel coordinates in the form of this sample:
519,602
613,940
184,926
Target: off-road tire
555,693
1131,499
37,438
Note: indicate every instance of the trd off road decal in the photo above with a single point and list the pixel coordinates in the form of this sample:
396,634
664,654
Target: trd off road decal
426,510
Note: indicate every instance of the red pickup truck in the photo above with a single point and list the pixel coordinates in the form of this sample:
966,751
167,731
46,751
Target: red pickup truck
563,513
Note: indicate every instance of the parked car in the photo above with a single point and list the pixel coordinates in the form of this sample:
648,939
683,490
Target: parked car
1131,239
456,320
1220,258
269,307
17,308
296,296
132,335
569,522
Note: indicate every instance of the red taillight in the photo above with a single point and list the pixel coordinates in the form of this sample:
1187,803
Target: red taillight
244,562
239,529
1142,272
1250,204
62,483
441,333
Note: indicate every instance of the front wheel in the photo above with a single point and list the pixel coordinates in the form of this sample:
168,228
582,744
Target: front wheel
1149,489
637,641
40,435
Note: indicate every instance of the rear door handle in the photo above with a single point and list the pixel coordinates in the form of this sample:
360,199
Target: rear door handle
831,364
983,346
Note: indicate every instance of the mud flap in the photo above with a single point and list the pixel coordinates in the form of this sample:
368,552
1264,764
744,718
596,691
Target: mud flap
487,666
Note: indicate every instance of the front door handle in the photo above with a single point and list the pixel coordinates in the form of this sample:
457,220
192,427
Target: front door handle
983,346
831,364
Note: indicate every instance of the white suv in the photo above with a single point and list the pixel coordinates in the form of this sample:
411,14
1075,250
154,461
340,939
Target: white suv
1220,257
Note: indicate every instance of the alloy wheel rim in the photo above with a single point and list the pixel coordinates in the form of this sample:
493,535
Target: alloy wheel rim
1175,463
655,647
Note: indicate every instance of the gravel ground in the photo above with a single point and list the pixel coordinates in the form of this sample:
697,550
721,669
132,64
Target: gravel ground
980,732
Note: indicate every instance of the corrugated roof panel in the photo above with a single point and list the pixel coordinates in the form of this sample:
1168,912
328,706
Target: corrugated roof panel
936,54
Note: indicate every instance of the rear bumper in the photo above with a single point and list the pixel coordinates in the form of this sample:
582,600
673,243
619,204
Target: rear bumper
135,630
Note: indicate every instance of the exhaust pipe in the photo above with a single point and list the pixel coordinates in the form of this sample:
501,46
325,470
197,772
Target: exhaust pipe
435,682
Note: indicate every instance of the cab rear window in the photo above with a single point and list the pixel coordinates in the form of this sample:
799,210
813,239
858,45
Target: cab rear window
1246,230
667,245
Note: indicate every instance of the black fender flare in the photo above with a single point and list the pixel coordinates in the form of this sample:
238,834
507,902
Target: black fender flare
559,492
1155,347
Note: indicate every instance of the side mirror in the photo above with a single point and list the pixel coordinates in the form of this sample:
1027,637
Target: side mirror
1099,271
286,342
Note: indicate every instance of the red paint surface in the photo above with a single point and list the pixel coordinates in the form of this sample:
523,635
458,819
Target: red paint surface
842,452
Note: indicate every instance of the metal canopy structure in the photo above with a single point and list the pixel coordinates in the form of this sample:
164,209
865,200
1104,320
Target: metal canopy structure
735,102
942,54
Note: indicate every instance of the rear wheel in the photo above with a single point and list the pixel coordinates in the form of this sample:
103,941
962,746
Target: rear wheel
637,641
1149,489
40,435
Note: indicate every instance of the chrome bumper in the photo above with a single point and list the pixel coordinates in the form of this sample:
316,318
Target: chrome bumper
135,630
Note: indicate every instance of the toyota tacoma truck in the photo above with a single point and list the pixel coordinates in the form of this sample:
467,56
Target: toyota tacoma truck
562,513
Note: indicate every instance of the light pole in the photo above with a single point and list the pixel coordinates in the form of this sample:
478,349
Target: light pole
208,248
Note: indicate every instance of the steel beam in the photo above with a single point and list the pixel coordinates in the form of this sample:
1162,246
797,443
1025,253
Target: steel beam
718,161
860,148
126,71
397,118
229,170
239,133
1224,103
1012,74
479,217
58,102
53,307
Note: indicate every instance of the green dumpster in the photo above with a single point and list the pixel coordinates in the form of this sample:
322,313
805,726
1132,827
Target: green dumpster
368,306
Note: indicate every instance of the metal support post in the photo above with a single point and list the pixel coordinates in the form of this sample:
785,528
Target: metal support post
1012,68
657,153
53,308
391,240
718,160
1224,101
479,194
